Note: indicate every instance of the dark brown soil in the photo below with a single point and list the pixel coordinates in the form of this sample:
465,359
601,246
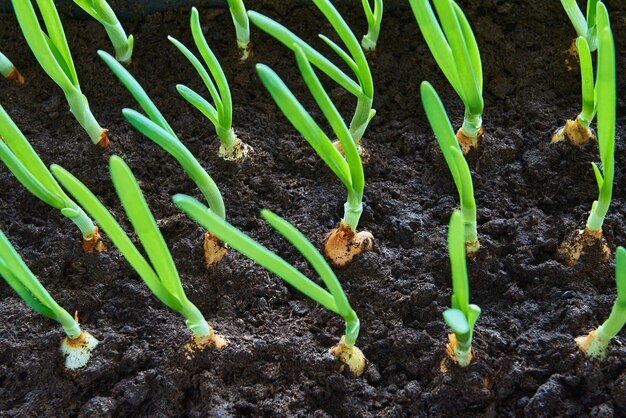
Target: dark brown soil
530,195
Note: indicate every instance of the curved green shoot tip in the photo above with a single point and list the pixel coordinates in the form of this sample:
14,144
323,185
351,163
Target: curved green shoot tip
78,344
242,27
104,14
53,54
454,47
333,299
441,126
462,316
595,344
374,19
606,97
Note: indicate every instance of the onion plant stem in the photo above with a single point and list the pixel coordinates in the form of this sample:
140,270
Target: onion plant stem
613,325
195,320
353,208
82,221
599,210
117,35
209,190
83,114
361,118
353,326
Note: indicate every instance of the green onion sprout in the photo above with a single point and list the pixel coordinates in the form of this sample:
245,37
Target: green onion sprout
578,130
362,88
570,251
585,26
333,299
455,50
220,114
78,343
463,315
53,54
374,19
343,243
242,27
22,160
159,272
103,13
595,344
157,129
438,118
8,70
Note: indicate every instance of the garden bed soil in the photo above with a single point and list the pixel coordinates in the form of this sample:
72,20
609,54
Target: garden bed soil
530,196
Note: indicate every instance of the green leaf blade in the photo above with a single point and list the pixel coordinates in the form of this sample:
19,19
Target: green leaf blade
254,251
208,82
214,66
458,267
352,157
145,226
436,41
287,38
313,256
172,145
36,39
352,44
24,282
199,103
575,16
442,128
304,123
457,321
136,91
116,234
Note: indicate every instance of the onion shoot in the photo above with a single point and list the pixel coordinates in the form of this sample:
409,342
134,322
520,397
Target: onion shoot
571,250
53,54
362,88
462,316
156,128
578,131
343,243
374,19
220,114
333,299
242,27
78,344
159,272
585,25
595,344
103,13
